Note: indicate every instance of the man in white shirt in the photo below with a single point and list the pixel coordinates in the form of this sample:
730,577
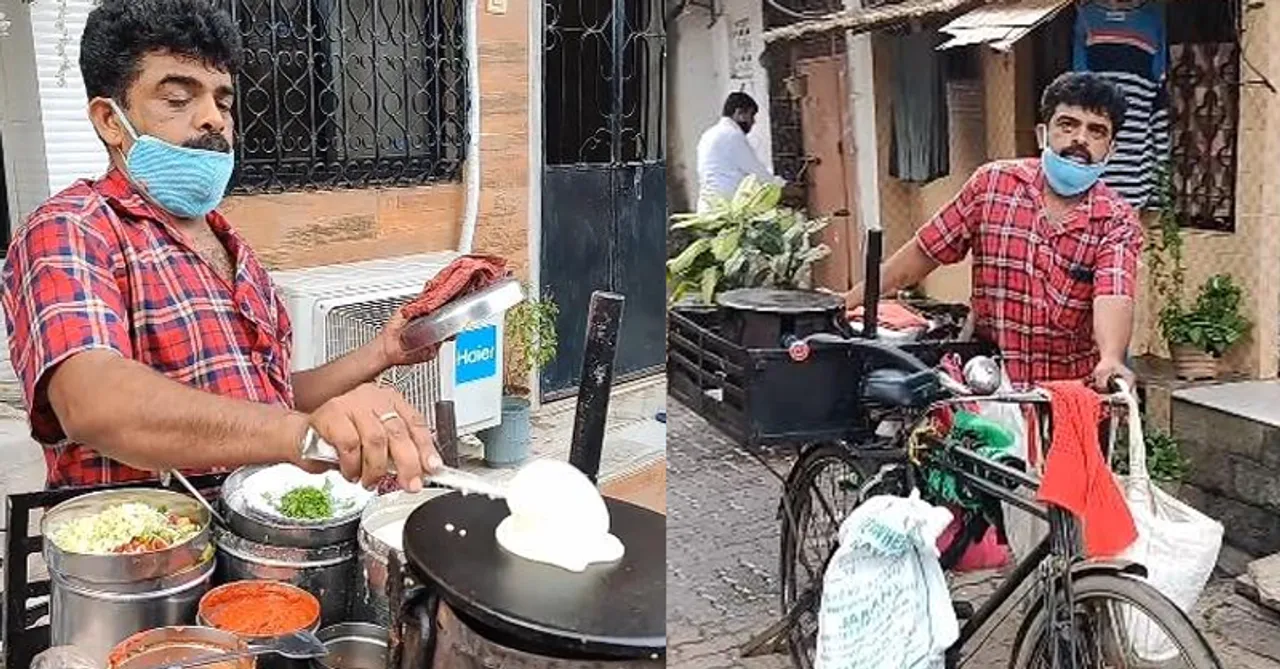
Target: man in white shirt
725,157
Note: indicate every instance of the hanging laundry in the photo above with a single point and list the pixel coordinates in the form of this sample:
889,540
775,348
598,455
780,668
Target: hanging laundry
1126,42
920,149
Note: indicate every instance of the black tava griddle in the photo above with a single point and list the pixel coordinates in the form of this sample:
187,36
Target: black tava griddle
610,611
764,317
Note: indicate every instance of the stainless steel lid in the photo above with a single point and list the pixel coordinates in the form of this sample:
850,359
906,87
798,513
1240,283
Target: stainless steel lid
450,320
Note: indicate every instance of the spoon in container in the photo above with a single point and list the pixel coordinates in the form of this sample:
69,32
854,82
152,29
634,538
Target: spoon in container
296,646
164,478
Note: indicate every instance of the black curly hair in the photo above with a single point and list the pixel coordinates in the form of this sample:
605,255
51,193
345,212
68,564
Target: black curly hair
119,33
1087,91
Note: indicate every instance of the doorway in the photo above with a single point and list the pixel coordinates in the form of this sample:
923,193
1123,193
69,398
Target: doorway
604,190
829,168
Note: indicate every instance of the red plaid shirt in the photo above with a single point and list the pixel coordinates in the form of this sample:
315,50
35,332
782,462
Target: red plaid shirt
1034,282
98,268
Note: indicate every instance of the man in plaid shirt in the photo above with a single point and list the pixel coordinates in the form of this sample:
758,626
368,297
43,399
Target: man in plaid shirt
1055,251
146,333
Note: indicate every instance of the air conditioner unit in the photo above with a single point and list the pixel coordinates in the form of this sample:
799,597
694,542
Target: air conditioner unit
338,308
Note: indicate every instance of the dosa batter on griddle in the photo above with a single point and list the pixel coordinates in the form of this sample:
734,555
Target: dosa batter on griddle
557,517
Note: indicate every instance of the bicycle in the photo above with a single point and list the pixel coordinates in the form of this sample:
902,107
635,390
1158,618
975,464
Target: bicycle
1061,629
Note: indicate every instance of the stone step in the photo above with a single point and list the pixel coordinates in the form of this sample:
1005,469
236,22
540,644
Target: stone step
1230,434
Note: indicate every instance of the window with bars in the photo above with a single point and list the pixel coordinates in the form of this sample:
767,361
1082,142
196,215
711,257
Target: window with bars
349,93
1204,98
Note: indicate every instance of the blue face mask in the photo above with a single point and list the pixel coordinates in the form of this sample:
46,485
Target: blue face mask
1067,177
188,183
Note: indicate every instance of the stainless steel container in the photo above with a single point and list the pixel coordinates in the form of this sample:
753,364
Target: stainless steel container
369,601
328,572
163,647
274,531
353,646
97,601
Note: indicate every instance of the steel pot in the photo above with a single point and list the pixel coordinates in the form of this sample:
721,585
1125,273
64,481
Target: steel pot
369,602
328,572
353,646
165,646
274,532
96,601
95,620
124,573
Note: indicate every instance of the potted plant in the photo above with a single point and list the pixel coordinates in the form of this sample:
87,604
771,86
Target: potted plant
747,241
531,342
1198,335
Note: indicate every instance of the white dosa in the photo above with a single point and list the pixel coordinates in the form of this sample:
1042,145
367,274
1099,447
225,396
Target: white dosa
557,518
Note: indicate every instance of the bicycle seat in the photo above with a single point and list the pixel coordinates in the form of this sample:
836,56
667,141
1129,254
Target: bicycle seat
896,388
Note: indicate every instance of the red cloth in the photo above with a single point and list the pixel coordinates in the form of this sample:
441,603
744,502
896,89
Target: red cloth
894,316
986,553
1076,475
1032,291
463,276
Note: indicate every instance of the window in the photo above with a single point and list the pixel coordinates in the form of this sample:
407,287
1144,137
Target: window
349,93
1204,99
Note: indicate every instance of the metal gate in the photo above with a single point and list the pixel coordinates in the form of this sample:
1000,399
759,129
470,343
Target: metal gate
604,197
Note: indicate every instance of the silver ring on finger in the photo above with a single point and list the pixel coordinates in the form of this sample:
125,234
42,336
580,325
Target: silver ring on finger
390,415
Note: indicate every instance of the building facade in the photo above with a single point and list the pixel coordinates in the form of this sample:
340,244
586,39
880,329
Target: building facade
371,129
836,76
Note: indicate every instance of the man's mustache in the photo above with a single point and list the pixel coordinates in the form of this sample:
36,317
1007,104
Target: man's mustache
1079,152
210,142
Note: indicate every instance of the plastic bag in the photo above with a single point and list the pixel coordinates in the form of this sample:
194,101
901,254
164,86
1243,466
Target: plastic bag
1177,544
885,602
1023,528
63,657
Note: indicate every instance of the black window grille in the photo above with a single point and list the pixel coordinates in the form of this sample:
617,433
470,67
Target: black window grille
603,98
349,93
1204,97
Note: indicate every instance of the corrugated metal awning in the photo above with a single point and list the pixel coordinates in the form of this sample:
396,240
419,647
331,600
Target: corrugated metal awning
1000,24
862,20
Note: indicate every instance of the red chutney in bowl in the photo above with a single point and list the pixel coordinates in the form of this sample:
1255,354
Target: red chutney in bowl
257,609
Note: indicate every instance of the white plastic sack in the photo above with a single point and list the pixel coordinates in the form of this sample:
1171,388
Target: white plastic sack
885,602
1176,543
1023,528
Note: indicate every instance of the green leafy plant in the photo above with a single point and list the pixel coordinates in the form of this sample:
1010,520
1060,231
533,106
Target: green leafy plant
531,341
1213,322
1165,462
746,241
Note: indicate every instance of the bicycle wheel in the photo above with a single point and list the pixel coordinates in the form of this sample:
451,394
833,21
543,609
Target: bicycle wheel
823,488
1102,603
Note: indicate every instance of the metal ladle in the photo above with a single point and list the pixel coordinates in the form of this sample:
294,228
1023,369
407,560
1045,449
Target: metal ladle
296,646
164,479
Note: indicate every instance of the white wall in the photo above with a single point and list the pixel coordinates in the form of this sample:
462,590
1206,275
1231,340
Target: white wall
700,78
73,147
25,172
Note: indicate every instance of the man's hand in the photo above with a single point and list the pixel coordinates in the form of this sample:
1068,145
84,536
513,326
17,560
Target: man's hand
393,351
373,427
1108,369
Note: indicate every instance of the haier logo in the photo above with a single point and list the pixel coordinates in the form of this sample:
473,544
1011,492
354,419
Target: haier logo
477,355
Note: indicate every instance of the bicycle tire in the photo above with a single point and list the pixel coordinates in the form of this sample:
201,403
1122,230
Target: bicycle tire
805,473
1133,592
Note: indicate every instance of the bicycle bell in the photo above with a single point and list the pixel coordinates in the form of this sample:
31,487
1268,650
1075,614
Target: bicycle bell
982,375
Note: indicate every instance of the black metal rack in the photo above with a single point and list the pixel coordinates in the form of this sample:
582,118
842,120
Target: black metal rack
24,637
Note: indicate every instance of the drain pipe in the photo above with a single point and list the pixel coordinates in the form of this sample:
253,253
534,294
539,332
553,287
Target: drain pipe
471,213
